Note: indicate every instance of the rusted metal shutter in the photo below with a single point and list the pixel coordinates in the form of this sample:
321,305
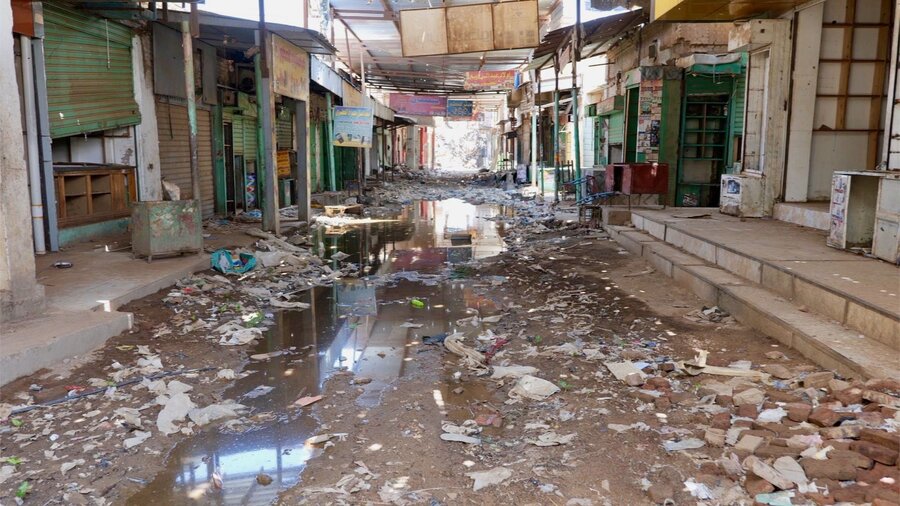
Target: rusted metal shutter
174,151
89,73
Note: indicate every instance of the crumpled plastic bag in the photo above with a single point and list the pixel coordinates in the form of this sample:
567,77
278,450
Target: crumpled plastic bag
224,261
532,387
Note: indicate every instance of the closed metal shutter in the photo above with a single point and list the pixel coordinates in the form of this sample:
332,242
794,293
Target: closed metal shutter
175,155
89,73
284,131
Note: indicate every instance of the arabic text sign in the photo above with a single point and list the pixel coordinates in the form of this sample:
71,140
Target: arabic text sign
353,127
460,108
419,105
290,69
490,80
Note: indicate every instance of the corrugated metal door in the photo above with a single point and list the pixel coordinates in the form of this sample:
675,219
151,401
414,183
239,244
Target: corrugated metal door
89,73
174,151
284,131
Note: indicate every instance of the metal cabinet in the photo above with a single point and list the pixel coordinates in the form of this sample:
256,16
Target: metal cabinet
161,228
886,236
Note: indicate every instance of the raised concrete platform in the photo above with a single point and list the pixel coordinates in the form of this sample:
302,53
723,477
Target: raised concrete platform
839,309
806,214
82,301
33,344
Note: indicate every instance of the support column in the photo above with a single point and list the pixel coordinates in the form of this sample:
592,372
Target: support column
265,105
187,46
556,159
20,294
329,144
302,196
576,53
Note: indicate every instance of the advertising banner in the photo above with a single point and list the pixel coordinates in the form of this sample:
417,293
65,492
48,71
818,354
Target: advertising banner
460,108
353,127
290,69
490,80
419,105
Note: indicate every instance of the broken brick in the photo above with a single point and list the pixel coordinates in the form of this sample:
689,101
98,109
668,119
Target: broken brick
756,485
721,421
818,379
875,452
859,460
824,417
798,411
849,396
881,437
842,432
833,469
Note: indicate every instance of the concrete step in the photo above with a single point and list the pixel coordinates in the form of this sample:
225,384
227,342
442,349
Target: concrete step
793,263
826,342
806,214
36,343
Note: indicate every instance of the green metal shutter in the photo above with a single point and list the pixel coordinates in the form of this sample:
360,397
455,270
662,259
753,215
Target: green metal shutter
250,138
616,128
89,73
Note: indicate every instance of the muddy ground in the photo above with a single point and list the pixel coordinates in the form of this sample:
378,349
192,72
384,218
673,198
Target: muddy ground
564,300
626,307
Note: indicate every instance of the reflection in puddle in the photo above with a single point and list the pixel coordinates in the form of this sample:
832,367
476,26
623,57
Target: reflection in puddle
354,324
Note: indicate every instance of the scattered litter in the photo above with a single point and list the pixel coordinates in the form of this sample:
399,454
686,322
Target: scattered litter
461,438
410,325
138,437
532,387
259,391
552,439
489,478
782,498
512,371
175,409
306,401
626,372
68,466
225,374
471,358
698,366
698,490
225,262
684,444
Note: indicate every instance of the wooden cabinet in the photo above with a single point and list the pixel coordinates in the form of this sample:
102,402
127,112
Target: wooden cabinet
88,193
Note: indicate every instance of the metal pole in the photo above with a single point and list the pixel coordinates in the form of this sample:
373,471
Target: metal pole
534,137
187,46
43,117
576,43
537,101
329,133
556,134
31,138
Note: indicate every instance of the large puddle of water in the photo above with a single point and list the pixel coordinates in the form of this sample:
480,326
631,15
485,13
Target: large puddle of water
353,325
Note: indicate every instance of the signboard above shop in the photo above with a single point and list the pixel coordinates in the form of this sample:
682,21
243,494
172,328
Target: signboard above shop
490,80
290,69
418,105
353,127
460,109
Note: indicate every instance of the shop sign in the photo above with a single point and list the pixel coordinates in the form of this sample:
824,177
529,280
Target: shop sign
418,105
490,80
460,108
290,69
353,127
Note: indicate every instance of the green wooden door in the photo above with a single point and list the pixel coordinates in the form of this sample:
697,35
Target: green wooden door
631,124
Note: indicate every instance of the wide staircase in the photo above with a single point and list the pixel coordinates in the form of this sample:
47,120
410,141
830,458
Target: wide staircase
839,309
